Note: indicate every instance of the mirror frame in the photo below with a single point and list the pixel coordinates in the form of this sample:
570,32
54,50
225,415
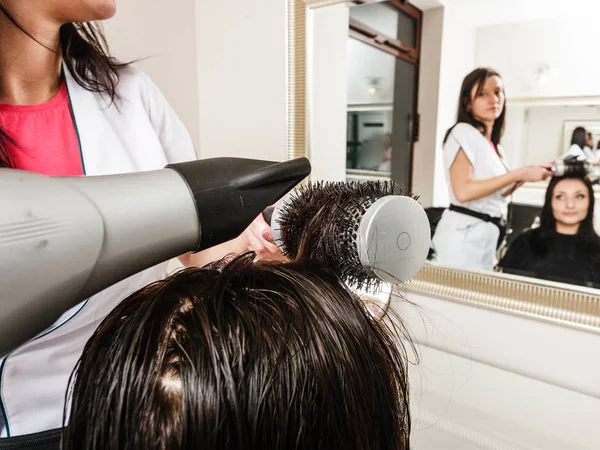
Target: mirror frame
557,303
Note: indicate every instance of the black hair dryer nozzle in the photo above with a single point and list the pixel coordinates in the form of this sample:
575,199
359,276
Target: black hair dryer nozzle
231,192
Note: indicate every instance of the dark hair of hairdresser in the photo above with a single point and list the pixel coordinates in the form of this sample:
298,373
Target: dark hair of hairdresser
241,356
587,239
579,137
477,78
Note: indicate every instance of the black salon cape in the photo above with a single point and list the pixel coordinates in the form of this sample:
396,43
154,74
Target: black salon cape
563,262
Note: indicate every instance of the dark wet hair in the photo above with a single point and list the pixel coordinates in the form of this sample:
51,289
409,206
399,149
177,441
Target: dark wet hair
242,355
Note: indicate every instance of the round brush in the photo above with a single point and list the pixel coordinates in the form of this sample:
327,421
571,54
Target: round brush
368,232
572,167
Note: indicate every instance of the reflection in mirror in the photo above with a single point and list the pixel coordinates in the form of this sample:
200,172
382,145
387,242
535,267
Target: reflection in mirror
382,56
551,113
546,132
554,224
563,246
402,72
369,141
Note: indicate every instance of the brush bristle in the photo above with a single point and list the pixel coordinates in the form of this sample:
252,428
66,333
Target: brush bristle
320,221
575,169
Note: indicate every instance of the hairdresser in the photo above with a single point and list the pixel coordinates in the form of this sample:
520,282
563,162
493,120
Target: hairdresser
66,109
478,176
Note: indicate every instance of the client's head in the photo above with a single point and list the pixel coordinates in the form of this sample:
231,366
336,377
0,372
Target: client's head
241,355
569,206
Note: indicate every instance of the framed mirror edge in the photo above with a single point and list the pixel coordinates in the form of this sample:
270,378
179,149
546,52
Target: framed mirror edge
567,305
557,303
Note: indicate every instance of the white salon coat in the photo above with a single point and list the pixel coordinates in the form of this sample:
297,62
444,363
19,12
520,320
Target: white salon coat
460,240
582,154
141,132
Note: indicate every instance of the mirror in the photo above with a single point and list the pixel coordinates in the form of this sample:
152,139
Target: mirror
544,132
399,73
548,101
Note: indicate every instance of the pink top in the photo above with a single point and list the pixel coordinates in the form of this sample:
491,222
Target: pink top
45,134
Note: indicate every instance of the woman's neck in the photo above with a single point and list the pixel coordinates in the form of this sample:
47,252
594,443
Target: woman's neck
29,71
571,230
487,132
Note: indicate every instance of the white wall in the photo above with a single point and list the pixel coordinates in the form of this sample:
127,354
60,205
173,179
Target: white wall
544,140
457,60
559,355
328,91
565,47
166,36
222,69
493,12
241,78
429,91
460,403
516,135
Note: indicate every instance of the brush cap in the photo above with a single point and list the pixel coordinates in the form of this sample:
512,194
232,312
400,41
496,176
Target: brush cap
394,237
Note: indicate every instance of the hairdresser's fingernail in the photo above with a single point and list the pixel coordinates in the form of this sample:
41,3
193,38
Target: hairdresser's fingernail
267,234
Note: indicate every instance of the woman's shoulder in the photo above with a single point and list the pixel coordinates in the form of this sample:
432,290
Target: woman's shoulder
463,136
463,129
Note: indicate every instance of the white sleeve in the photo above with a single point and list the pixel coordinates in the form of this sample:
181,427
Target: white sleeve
175,139
461,137
574,150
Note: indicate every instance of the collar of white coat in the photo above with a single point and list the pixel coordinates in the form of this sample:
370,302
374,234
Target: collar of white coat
499,157
114,139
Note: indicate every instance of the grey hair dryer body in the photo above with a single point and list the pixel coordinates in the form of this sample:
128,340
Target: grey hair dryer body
65,239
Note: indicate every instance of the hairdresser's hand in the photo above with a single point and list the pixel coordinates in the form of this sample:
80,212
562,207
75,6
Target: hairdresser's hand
533,173
258,238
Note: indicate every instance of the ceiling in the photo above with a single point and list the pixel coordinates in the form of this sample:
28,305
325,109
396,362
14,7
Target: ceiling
494,12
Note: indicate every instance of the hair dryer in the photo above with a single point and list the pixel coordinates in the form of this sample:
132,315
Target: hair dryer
63,239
